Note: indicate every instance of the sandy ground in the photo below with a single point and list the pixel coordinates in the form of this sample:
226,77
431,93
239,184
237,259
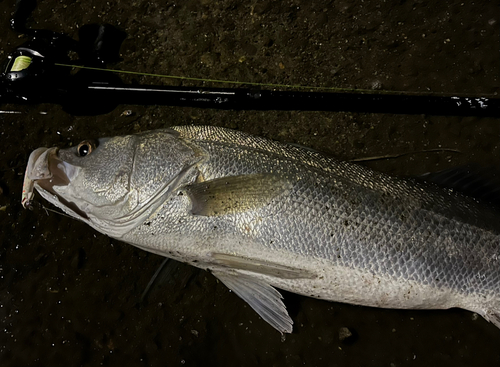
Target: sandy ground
70,296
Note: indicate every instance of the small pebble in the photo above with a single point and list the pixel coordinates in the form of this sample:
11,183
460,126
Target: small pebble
347,336
344,333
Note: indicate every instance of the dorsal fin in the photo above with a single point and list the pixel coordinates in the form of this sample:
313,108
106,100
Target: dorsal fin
473,181
222,135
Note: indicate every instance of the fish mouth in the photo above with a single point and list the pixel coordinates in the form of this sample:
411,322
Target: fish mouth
44,171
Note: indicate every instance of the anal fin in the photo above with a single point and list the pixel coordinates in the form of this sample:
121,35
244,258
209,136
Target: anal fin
492,316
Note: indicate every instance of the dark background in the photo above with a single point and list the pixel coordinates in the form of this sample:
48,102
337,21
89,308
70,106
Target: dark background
70,296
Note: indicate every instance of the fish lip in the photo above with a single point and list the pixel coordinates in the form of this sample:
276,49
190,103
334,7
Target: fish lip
43,166
45,170
29,177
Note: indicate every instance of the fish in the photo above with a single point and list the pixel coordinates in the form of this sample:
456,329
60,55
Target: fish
261,215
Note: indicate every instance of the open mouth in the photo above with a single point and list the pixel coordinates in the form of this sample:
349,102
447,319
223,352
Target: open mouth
45,171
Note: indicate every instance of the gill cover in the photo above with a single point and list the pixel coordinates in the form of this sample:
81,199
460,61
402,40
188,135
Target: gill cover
113,184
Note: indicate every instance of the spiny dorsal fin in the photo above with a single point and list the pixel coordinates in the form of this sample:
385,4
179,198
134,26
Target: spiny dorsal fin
222,135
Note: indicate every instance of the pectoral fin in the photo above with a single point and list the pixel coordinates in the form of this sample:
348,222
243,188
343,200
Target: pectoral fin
235,194
261,296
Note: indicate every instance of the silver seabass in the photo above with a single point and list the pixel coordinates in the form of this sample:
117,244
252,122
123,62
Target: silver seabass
260,214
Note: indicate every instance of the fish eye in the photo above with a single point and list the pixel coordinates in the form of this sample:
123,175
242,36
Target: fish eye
85,148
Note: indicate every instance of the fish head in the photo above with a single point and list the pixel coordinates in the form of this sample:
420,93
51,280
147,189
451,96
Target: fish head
112,184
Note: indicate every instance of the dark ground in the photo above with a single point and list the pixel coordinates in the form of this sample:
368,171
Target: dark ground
69,296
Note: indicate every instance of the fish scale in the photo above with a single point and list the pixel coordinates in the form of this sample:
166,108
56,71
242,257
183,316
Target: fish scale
260,214
372,212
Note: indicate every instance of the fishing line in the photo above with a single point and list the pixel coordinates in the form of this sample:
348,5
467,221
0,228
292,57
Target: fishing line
272,85
394,156
54,211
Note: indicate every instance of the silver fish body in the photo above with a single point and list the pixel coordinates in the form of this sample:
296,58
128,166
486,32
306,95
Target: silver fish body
260,214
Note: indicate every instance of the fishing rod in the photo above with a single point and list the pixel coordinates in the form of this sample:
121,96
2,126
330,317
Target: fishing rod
39,71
